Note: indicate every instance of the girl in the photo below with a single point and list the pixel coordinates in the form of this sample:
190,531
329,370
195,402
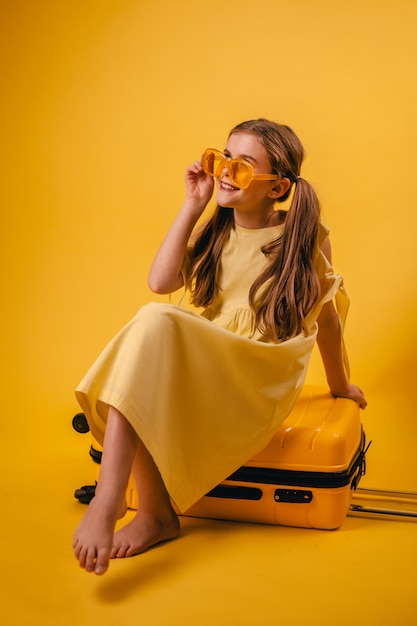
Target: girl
180,398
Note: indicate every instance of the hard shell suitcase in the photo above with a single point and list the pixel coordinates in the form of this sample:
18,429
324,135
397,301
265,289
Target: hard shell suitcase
304,477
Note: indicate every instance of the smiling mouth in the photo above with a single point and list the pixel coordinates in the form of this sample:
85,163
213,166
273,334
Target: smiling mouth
227,186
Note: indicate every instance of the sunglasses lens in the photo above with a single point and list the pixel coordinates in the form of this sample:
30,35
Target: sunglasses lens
240,174
212,162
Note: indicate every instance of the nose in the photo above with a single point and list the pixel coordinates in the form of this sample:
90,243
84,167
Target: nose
225,168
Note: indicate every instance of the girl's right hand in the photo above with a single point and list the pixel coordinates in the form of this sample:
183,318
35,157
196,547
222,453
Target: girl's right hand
353,392
199,185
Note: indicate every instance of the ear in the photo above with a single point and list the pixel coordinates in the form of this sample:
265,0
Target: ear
280,188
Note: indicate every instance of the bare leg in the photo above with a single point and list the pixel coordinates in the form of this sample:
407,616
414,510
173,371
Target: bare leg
94,536
155,520
93,539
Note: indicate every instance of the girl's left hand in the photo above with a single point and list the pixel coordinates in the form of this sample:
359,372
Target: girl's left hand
353,392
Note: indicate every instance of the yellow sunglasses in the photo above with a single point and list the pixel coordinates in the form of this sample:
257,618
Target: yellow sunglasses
240,171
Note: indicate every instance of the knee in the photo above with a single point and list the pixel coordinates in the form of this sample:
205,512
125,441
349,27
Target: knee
156,309
156,314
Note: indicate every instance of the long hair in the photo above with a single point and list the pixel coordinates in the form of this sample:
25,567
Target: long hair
288,288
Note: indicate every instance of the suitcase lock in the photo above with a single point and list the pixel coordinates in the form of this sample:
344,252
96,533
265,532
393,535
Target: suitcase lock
293,496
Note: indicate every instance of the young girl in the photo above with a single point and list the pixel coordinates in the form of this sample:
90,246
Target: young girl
183,398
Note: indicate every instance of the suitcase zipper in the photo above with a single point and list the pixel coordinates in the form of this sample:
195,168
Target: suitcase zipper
295,478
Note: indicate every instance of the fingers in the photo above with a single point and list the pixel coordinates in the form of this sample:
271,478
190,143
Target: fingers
199,185
196,168
361,400
356,394
363,404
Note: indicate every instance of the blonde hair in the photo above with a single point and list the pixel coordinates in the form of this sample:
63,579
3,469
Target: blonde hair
287,290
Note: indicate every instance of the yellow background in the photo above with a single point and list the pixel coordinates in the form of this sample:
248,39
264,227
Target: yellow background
104,105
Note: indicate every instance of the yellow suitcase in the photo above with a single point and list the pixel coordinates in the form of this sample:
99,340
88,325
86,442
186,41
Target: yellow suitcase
304,477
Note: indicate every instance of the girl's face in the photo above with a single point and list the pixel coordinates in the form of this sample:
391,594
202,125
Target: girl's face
260,195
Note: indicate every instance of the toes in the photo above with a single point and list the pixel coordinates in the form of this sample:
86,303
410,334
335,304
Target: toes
95,561
76,547
92,559
133,551
81,554
101,563
119,551
127,550
114,552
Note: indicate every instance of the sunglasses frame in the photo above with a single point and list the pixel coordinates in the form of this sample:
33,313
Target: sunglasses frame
227,163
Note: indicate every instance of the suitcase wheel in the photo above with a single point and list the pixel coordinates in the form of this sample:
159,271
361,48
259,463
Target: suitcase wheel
85,494
80,424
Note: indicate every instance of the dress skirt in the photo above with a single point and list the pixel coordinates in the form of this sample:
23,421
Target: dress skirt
201,398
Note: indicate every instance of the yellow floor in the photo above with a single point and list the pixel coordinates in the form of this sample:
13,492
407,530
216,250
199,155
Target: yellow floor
217,573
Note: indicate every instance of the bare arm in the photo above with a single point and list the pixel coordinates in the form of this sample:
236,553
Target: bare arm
165,273
329,340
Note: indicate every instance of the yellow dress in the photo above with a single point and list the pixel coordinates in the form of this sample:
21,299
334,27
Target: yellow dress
203,393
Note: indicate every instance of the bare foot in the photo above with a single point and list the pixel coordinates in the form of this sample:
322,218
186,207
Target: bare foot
93,539
143,532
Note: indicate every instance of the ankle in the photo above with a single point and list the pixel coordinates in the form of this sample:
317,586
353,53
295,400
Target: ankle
109,502
161,514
